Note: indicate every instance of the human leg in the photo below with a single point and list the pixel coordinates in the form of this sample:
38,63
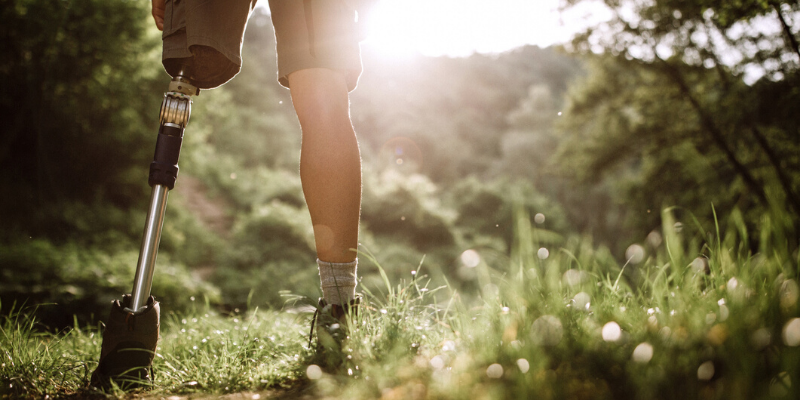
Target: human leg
319,60
330,171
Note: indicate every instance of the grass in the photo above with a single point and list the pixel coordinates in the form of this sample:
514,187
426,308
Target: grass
692,314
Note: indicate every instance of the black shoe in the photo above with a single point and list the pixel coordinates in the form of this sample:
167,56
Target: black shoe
331,323
129,346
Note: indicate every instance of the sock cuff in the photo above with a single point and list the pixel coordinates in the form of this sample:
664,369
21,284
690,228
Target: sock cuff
337,274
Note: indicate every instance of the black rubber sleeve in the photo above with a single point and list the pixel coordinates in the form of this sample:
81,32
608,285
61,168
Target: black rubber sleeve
164,168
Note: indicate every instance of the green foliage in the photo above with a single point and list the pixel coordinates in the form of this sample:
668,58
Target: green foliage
77,280
487,211
673,110
406,208
688,318
73,74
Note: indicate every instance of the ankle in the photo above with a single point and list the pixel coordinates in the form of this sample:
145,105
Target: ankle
338,281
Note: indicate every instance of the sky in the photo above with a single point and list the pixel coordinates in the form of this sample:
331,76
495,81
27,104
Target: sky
462,27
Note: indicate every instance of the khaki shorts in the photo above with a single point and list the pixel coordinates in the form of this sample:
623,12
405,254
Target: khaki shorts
308,34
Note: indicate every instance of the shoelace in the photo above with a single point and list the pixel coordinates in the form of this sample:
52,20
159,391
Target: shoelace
311,332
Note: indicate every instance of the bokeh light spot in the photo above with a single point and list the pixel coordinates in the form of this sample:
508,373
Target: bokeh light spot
723,313
700,265
634,254
789,294
573,277
780,385
539,218
523,365
547,331
491,290
643,353
706,371
582,301
470,258
654,238
611,332
495,371
437,362
314,372
543,253
791,332
761,338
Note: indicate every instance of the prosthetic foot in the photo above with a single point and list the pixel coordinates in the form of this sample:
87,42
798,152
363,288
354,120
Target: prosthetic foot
132,331
129,345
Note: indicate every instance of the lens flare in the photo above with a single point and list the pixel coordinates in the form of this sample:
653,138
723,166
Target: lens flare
402,151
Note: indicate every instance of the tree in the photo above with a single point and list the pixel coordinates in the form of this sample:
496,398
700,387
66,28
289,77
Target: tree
77,85
691,96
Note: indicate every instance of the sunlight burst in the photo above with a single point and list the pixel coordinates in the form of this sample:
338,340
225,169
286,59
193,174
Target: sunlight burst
462,27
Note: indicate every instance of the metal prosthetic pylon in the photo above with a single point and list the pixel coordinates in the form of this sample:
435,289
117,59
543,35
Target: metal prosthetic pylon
132,330
175,111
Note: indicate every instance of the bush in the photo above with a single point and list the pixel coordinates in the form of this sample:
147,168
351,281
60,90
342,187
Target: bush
82,281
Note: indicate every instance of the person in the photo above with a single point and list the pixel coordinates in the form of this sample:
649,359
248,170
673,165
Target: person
317,44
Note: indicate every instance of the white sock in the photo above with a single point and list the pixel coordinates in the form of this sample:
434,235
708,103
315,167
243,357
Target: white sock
338,281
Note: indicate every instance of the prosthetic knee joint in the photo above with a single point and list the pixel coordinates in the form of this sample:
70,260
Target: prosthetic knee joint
131,333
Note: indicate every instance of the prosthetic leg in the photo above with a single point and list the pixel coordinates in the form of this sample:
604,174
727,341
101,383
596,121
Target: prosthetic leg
132,331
